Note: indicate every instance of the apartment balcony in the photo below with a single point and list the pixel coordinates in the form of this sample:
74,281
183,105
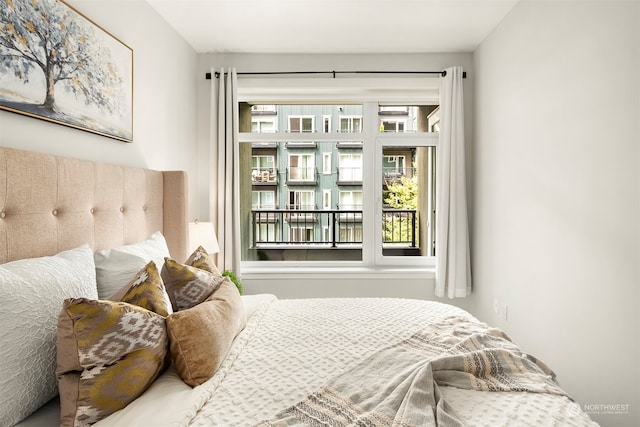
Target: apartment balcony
300,144
264,144
329,228
264,176
349,176
349,144
302,176
300,215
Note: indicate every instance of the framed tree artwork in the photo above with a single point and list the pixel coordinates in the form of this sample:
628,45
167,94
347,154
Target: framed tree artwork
59,66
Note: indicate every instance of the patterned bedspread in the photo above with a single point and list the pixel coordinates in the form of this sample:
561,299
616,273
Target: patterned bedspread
291,349
399,386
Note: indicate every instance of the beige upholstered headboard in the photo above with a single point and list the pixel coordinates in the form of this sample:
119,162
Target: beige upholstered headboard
49,204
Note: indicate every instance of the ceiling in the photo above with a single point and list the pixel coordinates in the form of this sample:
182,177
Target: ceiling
333,26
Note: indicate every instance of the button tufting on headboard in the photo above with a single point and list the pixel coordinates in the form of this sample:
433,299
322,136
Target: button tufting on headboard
37,188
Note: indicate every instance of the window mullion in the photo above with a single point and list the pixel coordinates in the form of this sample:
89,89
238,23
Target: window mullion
371,241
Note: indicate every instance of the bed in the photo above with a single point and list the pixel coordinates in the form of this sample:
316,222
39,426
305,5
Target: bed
255,359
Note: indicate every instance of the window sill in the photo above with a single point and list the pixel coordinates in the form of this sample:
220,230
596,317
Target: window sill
256,271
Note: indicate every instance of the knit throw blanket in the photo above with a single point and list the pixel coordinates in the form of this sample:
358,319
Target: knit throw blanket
398,386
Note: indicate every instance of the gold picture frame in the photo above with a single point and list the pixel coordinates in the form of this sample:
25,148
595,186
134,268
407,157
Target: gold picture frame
58,65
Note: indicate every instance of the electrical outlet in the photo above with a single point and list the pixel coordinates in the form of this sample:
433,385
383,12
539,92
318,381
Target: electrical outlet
504,311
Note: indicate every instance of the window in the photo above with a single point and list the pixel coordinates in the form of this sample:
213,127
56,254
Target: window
299,124
301,200
301,167
326,199
300,234
393,165
326,163
263,170
350,167
393,125
263,200
350,124
373,203
351,200
263,124
262,161
326,124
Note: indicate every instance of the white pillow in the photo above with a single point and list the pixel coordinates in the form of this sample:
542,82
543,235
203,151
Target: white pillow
116,267
32,291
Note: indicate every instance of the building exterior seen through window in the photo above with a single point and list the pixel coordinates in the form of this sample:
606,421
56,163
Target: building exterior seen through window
307,181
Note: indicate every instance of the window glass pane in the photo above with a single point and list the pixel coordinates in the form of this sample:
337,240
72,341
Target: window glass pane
408,194
299,206
306,118
408,118
303,187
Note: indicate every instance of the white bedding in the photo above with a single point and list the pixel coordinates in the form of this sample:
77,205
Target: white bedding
292,347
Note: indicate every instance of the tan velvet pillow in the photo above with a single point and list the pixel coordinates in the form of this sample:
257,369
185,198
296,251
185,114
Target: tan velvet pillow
188,286
108,353
146,290
200,337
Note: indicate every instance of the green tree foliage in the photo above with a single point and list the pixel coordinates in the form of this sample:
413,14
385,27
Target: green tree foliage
401,194
47,36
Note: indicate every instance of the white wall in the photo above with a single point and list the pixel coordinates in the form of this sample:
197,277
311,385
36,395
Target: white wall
164,108
555,231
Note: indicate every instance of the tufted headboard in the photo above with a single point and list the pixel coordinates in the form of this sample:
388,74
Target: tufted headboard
49,204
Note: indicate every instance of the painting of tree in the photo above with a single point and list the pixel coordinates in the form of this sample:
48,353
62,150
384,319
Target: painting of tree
57,65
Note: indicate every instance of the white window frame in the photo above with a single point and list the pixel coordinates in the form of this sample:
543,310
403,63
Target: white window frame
326,163
326,199
259,157
373,263
350,119
260,120
304,176
260,204
348,161
326,124
353,205
395,122
297,230
301,117
297,195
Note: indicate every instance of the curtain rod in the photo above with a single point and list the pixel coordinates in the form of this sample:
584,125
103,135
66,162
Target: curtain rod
333,73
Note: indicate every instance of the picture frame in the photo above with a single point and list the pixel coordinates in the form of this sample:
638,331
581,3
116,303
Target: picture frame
58,65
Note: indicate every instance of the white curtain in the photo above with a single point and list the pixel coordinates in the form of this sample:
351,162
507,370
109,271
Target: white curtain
224,195
453,267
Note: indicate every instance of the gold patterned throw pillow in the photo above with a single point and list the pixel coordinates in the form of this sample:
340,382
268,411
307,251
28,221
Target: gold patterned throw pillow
108,353
146,290
188,286
201,259
201,336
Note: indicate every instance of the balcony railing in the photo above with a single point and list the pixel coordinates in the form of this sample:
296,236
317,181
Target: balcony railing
400,227
329,228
